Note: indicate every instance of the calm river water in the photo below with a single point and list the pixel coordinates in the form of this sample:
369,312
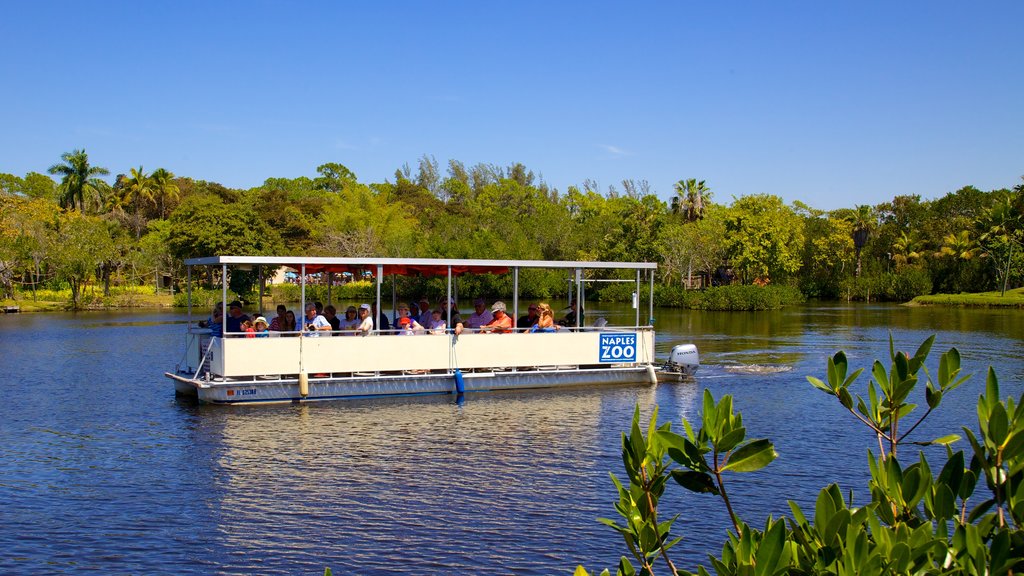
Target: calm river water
103,471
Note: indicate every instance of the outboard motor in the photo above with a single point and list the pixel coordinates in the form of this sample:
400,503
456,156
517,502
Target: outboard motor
683,360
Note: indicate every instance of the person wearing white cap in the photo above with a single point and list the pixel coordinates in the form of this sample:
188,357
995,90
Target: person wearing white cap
365,320
501,323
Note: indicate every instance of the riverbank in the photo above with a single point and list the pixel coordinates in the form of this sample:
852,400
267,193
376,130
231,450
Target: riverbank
1012,299
52,303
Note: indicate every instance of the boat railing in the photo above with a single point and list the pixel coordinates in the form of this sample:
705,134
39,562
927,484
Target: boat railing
240,357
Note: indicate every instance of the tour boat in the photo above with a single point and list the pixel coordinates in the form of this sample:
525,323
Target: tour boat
296,367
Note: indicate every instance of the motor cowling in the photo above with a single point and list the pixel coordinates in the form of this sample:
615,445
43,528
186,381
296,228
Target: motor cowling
683,359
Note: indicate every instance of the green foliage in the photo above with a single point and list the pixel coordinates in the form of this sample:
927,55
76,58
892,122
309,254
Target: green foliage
888,287
206,225
764,237
349,292
83,243
202,297
916,522
80,187
966,240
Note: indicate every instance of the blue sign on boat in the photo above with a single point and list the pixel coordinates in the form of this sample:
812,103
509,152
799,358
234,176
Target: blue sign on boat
617,348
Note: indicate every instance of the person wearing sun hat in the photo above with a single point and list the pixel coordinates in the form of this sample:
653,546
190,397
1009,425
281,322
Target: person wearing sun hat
260,325
501,323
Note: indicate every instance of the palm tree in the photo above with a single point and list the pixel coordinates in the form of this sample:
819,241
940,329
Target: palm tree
1001,227
908,247
137,189
165,188
692,199
960,246
81,186
863,221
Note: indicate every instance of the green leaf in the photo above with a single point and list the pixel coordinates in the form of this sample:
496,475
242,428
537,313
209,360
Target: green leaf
881,377
932,396
695,481
819,384
845,399
750,457
943,440
998,425
922,351
731,440
770,550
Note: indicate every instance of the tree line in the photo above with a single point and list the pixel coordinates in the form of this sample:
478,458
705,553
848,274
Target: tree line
70,227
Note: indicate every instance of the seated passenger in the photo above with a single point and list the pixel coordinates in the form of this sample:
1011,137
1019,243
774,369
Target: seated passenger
235,318
570,318
436,325
249,329
350,323
214,322
381,319
290,325
314,323
408,327
456,318
365,320
331,314
280,322
530,319
501,323
260,326
426,314
480,316
546,321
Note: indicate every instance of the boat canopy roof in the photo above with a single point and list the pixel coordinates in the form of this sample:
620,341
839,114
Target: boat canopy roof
409,266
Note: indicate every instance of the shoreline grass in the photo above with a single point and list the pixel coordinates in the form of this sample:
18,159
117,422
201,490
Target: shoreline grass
1012,299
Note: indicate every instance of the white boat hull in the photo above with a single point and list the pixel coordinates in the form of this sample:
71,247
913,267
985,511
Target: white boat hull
262,391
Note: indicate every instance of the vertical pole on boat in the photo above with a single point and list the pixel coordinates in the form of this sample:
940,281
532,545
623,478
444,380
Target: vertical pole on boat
302,283
448,300
330,284
188,288
636,302
515,295
579,295
303,377
380,275
223,299
650,304
259,271
394,297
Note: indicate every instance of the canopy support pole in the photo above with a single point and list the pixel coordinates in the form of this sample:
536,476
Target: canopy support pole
259,271
302,309
223,299
579,295
515,296
380,275
637,297
650,304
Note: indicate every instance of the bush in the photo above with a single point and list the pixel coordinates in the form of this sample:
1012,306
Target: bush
359,290
888,287
202,297
915,522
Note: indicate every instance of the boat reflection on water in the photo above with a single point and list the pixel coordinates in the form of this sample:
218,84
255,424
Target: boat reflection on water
326,482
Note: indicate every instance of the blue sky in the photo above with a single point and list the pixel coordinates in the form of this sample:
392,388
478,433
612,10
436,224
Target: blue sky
829,103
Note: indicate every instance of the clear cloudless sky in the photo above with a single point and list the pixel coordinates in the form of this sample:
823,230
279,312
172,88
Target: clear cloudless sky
830,103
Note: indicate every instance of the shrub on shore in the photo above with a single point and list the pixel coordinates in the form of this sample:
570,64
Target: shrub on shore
717,298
